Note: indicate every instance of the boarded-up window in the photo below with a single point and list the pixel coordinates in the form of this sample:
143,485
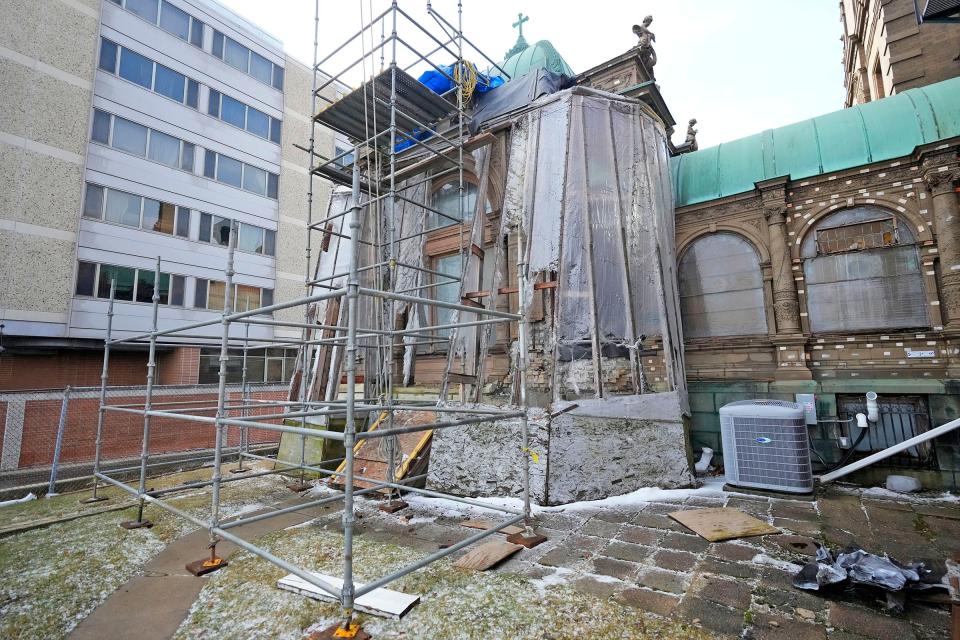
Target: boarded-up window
873,283
721,288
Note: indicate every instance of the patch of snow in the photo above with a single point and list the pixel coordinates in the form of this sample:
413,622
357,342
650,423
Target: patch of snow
711,487
246,508
882,492
27,498
560,576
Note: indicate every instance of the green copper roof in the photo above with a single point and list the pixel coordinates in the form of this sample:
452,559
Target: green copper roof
880,130
541,55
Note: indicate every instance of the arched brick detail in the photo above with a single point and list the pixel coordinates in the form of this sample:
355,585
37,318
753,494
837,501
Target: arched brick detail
747,232
908,212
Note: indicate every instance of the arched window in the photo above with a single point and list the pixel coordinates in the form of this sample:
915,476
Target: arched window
446,198
721,288
862,272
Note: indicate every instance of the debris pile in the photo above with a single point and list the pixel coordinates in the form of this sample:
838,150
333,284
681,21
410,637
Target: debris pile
854,566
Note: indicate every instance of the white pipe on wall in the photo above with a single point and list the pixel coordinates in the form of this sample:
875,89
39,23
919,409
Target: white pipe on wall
890,451
873,409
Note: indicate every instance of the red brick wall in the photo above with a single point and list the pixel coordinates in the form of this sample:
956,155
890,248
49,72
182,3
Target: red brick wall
180,366
123,432
3,420
75,368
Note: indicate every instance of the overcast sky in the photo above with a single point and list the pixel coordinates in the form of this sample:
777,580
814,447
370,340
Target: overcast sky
738,66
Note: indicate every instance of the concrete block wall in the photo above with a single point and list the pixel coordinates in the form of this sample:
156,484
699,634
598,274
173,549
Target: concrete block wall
294,184
47,65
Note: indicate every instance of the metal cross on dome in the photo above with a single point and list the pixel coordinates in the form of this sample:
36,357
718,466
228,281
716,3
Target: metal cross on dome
519,23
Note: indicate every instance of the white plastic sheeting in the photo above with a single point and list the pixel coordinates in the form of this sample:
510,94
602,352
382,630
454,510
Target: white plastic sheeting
588,185
862,289
721,288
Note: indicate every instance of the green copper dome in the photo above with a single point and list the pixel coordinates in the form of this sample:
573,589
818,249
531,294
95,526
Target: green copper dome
541,55
880,130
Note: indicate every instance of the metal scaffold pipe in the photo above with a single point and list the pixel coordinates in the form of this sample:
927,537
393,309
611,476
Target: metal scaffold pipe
104,375
349,428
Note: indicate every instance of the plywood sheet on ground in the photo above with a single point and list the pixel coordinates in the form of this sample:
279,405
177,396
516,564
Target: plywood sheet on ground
722,524
385,603
487,524
487,555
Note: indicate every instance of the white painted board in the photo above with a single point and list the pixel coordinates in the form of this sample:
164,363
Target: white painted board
385,603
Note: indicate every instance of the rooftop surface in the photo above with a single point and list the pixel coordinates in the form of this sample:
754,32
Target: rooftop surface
619,568
880,130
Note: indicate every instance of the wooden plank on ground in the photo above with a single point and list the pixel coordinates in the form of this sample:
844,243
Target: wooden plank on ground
371,462
487,555
722,524
382,602
487,524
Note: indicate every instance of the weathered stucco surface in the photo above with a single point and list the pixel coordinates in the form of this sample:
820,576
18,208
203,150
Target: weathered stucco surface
597,449
614,446
487,459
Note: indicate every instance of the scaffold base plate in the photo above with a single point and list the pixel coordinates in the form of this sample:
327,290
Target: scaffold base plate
239,470
299,487
205,566
527,541
393,506
93,500
134,524
330,633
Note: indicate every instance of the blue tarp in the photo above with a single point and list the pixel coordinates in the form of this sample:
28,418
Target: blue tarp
440,83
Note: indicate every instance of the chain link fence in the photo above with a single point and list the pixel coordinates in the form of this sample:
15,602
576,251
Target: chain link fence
48,437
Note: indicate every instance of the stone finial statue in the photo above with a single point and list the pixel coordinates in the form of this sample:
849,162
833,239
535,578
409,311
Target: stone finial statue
691,141
645,43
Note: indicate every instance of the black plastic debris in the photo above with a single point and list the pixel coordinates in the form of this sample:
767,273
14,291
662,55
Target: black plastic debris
862,568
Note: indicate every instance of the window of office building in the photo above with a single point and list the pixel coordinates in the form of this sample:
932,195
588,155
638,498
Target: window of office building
130,284
168,17
250,62
131,210
142,141
234,112
250,238
270,364
148,74
240,174
210,294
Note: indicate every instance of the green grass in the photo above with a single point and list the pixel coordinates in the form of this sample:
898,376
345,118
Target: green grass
53,577
242,601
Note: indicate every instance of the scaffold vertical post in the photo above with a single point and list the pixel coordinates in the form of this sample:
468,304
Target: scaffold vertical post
214,562
61,427
349,428
104,376
147,404
244,401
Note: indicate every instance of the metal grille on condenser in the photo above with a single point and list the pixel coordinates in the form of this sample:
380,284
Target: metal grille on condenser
779,462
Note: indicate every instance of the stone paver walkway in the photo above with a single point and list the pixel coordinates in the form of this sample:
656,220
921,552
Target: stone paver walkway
741,588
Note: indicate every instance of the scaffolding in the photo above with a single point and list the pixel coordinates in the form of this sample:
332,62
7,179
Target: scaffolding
397,126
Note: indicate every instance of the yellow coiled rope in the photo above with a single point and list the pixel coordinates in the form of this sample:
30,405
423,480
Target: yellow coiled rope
465,74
